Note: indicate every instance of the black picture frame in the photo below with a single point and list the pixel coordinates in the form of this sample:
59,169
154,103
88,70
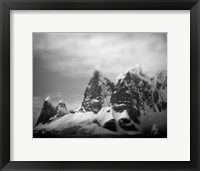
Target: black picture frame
7,5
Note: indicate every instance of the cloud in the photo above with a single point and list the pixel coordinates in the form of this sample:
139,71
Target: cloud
78,54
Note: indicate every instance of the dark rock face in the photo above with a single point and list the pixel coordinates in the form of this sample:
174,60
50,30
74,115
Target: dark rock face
131,93
110,125
61,109
134,91
97,90
160,91
126,124
59,113
164,105
72,111
48,111
155,96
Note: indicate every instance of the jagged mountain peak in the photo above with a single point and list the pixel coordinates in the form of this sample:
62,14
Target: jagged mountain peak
99,87
136,71
97,73
61,102
98,76
159,80
48,99
61,108
48,111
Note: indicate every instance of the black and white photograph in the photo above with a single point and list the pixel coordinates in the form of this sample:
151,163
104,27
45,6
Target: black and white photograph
99,84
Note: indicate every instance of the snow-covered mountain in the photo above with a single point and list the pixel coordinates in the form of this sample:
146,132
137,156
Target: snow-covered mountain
99,88
61,108
135,91
131,93
135,105
48,111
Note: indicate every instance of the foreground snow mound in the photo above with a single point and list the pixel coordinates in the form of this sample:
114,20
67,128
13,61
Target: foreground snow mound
105,122
73,124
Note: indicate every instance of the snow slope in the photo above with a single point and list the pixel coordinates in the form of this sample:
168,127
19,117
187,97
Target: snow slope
93,124
73,124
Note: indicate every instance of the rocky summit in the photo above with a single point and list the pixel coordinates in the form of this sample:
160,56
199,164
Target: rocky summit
98,89
61,108
48,111
131,93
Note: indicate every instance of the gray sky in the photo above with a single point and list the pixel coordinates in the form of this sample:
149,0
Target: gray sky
63,63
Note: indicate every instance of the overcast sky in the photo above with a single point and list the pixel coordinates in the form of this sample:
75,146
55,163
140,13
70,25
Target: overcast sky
63,63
